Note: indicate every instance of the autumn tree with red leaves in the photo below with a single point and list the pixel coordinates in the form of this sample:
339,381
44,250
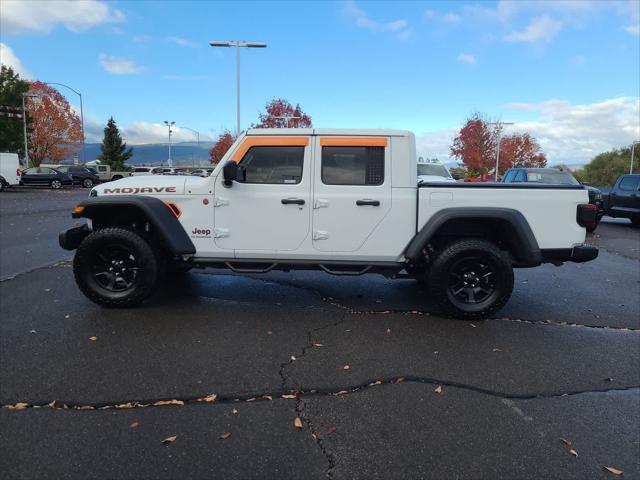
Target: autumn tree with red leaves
222,145
281,114
475,145
520,150
56,131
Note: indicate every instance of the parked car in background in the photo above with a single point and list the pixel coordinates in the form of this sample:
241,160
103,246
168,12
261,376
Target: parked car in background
553,176
433,172
623,200
81,175
45,176
105,174
202,172
9,170
140,171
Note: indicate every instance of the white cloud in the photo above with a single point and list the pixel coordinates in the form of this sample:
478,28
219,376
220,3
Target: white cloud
19,16
452,18
568,133
541,29
8,58
363,20
183,42
138,133
633,29
467,58
118,65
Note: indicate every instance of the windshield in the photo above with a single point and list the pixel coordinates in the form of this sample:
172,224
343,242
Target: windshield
434,169
558,178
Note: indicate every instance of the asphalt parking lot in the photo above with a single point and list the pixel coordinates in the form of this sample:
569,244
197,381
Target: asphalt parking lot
382,386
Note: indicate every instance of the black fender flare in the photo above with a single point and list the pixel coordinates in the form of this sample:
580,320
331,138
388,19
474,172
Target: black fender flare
166,225
526,249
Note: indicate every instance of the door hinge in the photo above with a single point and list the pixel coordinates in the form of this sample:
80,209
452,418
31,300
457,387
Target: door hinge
220,232
320,203
219,202
320,235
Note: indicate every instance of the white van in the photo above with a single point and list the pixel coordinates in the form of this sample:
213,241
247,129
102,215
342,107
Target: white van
9,170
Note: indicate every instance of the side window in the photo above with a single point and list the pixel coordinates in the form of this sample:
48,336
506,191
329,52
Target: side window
102,168
45,170
520,176
629,183
353,165
272,164
30,171
509,176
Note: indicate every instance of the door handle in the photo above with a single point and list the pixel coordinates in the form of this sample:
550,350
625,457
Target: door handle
294,201
367,201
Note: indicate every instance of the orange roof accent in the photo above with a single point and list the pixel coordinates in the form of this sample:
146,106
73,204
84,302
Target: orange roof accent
267,141
353,141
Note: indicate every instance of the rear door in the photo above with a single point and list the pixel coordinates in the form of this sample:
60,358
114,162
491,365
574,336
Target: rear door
626,197
352,191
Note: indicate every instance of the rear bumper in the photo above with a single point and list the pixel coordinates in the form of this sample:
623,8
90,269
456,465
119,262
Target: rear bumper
72,238
578,254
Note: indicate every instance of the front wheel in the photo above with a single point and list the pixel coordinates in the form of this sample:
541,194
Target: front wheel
471,279
115,267
87,183
56,184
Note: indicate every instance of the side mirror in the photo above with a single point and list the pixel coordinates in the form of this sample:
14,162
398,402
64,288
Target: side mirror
229,172
586,184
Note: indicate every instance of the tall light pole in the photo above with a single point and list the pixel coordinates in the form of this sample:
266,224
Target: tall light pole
633,147
24,128
498,147
169,124
197,137
238,45
84,157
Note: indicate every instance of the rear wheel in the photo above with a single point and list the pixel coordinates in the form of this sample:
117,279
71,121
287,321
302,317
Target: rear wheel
56,184
116,267
87,183
471,279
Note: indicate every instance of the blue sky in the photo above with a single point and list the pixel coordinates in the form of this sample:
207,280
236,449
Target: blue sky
566,71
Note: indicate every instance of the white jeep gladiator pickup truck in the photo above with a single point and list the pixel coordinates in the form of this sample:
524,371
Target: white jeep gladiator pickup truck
343,201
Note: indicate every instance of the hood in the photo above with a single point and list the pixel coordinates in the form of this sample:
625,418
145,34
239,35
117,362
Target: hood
144,185
434,178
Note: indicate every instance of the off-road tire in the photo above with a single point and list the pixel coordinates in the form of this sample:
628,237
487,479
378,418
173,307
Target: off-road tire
55,184
441,276
87,183
146,261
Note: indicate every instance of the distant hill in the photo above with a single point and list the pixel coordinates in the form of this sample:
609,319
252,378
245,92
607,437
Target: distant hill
185,153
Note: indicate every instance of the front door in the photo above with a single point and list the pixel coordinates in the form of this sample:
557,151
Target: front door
352,191
267,209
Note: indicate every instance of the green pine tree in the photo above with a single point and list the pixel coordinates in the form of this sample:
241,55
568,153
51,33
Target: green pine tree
114,151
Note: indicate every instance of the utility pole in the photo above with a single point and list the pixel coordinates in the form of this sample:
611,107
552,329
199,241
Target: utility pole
169,124
499,124
24,129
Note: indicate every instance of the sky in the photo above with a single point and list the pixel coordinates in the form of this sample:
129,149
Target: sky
567,72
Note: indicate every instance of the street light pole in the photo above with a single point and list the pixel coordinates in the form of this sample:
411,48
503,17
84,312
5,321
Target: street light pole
24,129
197,137
498,146
169,124
84,156
633,147
238,45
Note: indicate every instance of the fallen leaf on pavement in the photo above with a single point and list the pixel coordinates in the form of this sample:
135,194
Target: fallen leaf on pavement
159,403
346,367
235,411
169,440
331,430
297,422
134,424
615,471
377,382
269,332
388,331
224,435
399,380
17,406
85,407
93,339
438,389
32,331
472,325
293,359
566,441
342,392
496,350
209,398
318,345
288,396
126,405
252,399
573,452
267,397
